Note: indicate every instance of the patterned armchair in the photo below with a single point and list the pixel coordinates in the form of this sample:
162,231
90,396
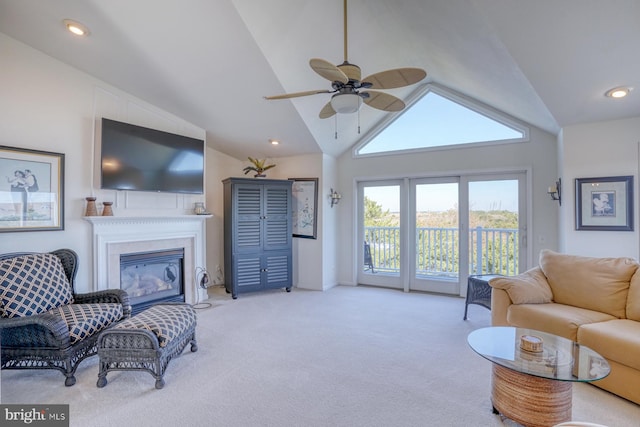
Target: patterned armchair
44,324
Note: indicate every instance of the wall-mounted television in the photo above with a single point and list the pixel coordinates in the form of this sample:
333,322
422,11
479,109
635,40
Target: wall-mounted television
142,159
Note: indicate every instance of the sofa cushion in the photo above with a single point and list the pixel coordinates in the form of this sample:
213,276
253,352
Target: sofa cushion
633,298
617,340
33,284
530,287
599,284
84,320
557,319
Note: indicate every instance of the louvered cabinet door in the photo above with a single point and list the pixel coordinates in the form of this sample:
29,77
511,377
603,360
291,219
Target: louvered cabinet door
277,218
278,269
248,218
248,272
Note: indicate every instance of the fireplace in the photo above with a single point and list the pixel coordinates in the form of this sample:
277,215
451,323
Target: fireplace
114,236
152,277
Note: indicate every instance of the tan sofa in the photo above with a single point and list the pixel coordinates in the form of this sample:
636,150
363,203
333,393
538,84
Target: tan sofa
593,301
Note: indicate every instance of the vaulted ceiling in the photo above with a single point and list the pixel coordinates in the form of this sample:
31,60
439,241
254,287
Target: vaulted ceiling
211,62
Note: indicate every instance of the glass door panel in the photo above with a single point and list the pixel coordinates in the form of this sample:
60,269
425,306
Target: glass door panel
382,242
435,225
494,227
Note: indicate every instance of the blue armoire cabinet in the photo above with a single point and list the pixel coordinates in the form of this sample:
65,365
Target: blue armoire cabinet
257,234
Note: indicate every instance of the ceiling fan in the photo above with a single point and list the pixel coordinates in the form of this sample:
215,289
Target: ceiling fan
350,90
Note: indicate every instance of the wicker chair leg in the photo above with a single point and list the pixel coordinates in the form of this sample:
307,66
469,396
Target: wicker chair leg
159,373
70,380
70,372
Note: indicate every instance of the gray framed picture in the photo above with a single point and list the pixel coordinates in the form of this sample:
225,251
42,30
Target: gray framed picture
304,196
604,204
31,190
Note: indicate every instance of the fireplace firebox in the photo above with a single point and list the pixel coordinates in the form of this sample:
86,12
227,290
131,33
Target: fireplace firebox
152,277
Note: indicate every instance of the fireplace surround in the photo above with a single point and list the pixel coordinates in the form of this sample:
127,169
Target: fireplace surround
116,236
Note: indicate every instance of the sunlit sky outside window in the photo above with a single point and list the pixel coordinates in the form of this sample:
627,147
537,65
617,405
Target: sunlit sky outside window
435,121
483,196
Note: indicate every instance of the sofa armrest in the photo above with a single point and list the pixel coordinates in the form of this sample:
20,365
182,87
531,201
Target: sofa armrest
40,330
530,287
500,303
107,296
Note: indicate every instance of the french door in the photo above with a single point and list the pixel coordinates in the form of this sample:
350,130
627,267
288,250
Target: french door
429,234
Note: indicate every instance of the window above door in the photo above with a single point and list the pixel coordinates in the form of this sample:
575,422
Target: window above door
441,119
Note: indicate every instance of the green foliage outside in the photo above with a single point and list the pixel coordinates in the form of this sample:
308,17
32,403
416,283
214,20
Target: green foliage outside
437,240
375,217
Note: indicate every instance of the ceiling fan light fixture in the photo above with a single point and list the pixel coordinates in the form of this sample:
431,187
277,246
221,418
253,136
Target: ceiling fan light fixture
346,103
618,92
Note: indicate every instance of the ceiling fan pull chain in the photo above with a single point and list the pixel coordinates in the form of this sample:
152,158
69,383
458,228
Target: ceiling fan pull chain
335,124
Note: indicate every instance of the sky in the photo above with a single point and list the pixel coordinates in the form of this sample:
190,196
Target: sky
435,121
483,195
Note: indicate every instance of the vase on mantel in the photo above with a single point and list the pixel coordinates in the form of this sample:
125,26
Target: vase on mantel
91,207
107,210
199,209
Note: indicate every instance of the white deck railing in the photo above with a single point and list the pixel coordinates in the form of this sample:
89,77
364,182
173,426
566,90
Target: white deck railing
492,251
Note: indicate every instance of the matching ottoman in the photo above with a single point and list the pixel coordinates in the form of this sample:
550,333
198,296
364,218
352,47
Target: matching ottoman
147,341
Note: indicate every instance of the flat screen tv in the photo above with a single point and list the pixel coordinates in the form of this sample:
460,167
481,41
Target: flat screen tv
142,159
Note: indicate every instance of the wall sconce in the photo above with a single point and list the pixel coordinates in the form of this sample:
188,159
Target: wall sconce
556,191
335,197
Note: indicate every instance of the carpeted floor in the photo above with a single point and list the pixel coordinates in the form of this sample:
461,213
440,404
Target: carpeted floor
350,356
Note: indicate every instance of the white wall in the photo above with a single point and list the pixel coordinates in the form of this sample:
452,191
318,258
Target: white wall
47,105
308,262
219,167
330,227
539,156
593,150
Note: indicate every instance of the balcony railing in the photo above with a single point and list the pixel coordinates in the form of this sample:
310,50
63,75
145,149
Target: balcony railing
491,251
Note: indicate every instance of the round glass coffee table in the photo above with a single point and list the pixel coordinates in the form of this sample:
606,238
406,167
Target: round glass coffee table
534,388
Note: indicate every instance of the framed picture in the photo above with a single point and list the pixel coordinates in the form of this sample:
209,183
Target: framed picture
304,194
31,190
604,204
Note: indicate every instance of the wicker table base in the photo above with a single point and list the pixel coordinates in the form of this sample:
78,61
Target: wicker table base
530,400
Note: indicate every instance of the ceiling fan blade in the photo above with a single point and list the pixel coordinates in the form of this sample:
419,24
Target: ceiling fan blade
327,70
397,77
383,101
327,111
297,94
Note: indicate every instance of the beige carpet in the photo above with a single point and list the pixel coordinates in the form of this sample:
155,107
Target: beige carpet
345,357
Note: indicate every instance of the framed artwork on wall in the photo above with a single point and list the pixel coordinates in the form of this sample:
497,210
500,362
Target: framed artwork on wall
304,196
604,204
31,190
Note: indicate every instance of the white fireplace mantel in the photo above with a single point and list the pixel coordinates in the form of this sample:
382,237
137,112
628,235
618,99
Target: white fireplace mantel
115,235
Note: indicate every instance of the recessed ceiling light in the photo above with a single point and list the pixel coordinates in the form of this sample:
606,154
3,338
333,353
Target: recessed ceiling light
274,142
618,92
75,27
